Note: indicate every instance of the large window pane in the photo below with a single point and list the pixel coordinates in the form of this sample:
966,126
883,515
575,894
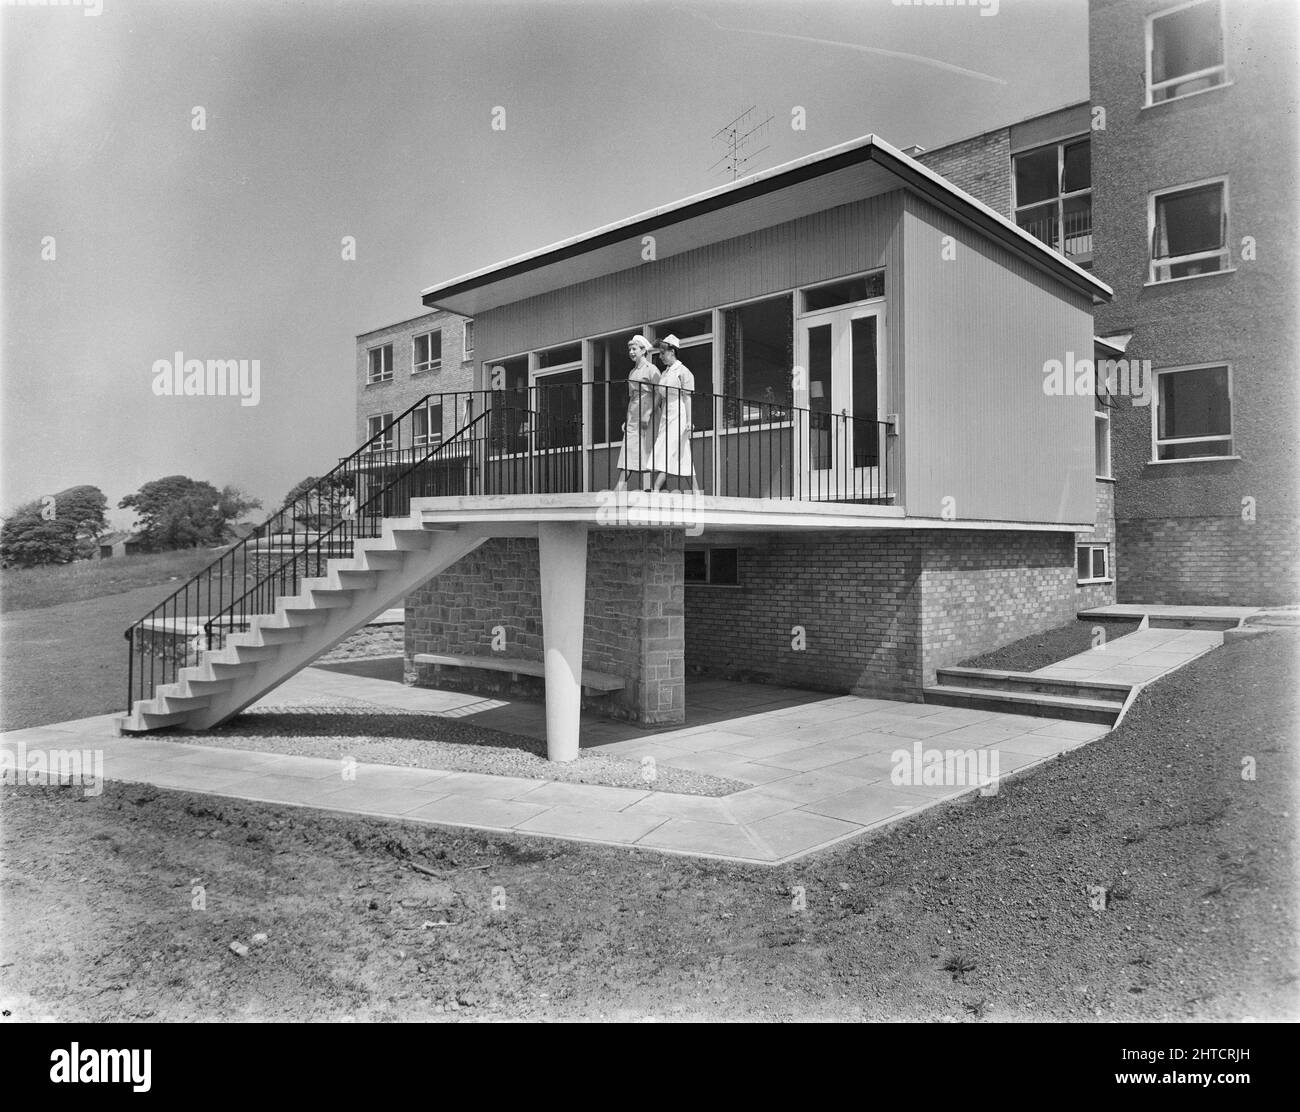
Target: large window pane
758,358
699,361
1186,42
1078,168
1036,178
1194,404
1189,221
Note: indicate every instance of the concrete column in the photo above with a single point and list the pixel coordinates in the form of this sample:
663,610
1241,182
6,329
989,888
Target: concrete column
563,551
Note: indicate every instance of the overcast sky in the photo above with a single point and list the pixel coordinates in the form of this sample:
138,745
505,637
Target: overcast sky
373,119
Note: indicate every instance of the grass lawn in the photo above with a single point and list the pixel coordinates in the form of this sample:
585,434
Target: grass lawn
64,656
991,909
34,588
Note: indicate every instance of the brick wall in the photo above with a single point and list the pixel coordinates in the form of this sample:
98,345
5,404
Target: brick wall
855,597
980,165
1181,537
406,387
633,626
1210,560
1101,594
880,612
983,589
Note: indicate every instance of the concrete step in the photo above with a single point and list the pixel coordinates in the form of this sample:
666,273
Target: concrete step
1157,622
997,679
1031,703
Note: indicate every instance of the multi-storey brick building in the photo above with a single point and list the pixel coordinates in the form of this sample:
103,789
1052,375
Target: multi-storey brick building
1176,189
1195,213
400,364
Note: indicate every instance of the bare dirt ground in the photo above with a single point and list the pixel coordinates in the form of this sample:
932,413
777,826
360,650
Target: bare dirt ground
989,910
1038,650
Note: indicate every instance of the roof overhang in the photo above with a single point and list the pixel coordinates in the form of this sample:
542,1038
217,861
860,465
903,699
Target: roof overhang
861,168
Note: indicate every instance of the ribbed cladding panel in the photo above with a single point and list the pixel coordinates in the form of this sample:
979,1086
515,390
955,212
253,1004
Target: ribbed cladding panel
978,427
842,240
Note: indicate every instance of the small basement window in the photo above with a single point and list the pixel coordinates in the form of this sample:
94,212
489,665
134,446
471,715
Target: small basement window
1093,563
719,567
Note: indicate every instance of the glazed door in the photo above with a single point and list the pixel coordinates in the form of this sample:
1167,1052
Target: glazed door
842,351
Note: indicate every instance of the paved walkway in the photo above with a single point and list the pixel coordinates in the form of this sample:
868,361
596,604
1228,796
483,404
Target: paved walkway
818,768
1136,658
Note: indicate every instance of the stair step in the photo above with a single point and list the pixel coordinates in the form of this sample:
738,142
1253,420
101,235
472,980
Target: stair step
355,579
381,559
142,720
300,615
245,654
180,704
995,679
1103,711
216,670
410,538
271,636
327,598
198,687
1219,624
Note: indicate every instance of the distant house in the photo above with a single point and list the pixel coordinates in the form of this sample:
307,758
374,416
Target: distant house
118,544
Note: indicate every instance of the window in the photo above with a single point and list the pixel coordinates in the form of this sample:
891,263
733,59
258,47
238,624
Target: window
609,370
380,425
427,425
427,354
1101,437
1054,197
1185,51
1092,561
696,352
1193,413
467,339
1188,231
558,396
716,566
508,381
758,360
844,293
380,364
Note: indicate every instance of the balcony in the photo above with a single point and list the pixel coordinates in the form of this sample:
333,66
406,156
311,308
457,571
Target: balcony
1066,228
569,438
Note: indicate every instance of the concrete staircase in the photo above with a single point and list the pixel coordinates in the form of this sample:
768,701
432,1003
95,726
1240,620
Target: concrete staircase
328,608
1026,693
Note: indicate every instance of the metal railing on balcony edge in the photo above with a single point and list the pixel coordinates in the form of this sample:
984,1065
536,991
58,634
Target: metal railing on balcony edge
547,438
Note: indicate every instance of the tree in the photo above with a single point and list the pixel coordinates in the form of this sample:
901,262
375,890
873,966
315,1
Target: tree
235,504
180,512
317,503
55,529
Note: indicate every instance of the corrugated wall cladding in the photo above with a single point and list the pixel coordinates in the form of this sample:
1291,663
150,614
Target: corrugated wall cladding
978,427
825,245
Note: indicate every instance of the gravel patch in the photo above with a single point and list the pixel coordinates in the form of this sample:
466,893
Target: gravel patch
347,727
1049,647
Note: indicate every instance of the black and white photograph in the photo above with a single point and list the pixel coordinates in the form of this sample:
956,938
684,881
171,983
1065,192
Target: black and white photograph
650,511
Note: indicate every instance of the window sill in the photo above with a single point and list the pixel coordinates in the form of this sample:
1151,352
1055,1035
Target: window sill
1191,277
1187,96
716,586
1193,459
1093,582
426,370
378,381
1104,478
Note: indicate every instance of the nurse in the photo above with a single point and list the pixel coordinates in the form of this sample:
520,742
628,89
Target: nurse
638,430
672,450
